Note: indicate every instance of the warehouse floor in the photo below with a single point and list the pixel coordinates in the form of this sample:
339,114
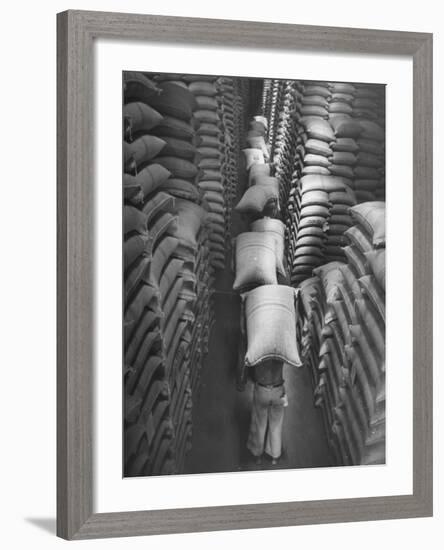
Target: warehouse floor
221,414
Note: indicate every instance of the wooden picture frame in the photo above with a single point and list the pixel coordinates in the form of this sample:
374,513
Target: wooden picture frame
77,31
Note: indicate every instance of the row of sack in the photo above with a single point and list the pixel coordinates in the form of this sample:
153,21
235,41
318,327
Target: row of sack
176,162
196,145
343,148
261,198
342,143
318,215
343,340
268,307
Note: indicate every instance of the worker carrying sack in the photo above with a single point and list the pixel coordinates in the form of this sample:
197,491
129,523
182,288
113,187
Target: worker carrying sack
270,318
258,198
258,143
262,120
253,156
258,170
255,262
277,229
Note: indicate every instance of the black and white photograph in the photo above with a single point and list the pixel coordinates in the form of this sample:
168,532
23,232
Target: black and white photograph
253,274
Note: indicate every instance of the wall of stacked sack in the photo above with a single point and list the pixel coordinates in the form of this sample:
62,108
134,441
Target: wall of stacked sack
181,135
328,155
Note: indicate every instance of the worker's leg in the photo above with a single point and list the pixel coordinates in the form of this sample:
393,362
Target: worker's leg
258,424
273,446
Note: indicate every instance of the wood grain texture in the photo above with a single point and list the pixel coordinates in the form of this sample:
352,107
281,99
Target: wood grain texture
423,274
76,33
75,276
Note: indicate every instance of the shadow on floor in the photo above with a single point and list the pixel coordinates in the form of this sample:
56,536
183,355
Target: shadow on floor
45,524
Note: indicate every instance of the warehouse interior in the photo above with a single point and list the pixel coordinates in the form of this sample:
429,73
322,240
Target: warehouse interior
205,158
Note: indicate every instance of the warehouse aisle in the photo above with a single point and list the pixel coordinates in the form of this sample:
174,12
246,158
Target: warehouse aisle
221,414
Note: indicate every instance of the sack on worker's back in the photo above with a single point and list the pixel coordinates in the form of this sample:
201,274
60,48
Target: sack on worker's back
258,143
270,316
269,181
258,170
253,156
277,229
262,120
255,260
257,198
258,127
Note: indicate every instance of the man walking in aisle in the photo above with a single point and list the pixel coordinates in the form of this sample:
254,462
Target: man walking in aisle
268,407
269,401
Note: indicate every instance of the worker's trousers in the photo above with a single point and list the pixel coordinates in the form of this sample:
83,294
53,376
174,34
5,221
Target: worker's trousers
267,417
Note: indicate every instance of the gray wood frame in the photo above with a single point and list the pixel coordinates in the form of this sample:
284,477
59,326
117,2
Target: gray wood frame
76,32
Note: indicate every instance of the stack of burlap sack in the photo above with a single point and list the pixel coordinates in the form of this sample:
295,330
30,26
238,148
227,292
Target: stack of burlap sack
266,104
325,130
343,340
231,109
285,154
168,259
318,215
274,102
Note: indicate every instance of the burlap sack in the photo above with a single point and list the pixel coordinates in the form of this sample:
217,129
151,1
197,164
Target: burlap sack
174,101
277,229
179,168
138,153
258,170
190,218
371,215
255,259
139,117
253,156
174,127
270,316
136,188
257,198
203,88
317,128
